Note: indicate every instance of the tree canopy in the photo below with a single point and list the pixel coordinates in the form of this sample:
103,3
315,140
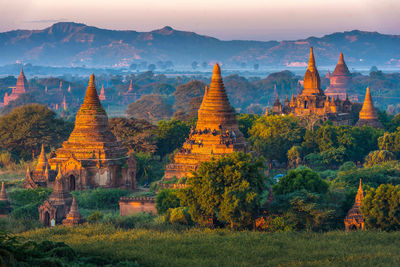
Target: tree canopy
24,129
226,189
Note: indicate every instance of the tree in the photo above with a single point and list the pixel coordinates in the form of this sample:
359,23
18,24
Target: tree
226,189
23,130
185,93
381,207
246,121
22,100
171,135
301,179
150,107
378,157
294,156
136,135
165,200
273,136
390,142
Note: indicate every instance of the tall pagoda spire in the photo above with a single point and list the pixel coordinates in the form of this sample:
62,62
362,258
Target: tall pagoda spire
42,160
360,195
341,67
22,83
368,115
216,110
312,81
73,217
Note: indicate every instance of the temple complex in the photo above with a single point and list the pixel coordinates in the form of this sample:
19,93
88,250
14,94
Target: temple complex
102,95
340,80
20,89
216,133
91,157
368,115
5,208
354,219
73,217
313,101
56,207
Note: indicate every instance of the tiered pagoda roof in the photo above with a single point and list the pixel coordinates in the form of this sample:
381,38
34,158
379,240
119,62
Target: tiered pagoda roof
340,80
73,217
91,137
312,80
368,115
216,133
355,219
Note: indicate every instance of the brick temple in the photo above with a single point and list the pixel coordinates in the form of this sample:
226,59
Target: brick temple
340,80
91,157
19,89
354,219
313,101
217,132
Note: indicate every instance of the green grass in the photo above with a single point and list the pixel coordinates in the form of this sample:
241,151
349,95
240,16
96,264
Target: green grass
203,247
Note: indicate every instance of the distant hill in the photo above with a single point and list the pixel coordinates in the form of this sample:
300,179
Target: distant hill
75,44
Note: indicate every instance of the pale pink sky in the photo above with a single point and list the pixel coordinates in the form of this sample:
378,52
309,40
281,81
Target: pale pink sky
224,19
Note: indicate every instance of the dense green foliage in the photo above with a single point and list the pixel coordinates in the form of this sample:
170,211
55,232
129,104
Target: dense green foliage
273,136
150,107
203,247
171,135
24,130
100,198
27,201
297,180
165,200
381,207
378,157
226,189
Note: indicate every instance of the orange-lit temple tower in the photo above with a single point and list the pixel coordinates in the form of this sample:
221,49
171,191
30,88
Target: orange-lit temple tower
313,101
92,157
5,208
216,133
354,219
340,80
73,217
20,89
368,115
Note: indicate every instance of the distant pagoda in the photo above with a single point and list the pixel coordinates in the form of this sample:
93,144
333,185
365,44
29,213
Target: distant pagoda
20,89
368,115
340,80
102,95
354,219
217,132
92,157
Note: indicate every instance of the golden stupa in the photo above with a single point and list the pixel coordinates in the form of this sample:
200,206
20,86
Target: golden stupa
368,115
216,133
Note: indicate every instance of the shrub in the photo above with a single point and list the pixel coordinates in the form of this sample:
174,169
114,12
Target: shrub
100,198
26,202
166,199
381,207
179,216
95,216
378,157
301,179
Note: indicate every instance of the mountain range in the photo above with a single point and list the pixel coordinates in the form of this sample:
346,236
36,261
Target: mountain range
76,44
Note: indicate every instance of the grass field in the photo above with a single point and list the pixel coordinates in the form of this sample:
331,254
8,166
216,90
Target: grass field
202,247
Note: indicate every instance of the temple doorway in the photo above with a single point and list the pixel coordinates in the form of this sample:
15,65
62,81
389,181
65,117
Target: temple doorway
47,219
71,181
